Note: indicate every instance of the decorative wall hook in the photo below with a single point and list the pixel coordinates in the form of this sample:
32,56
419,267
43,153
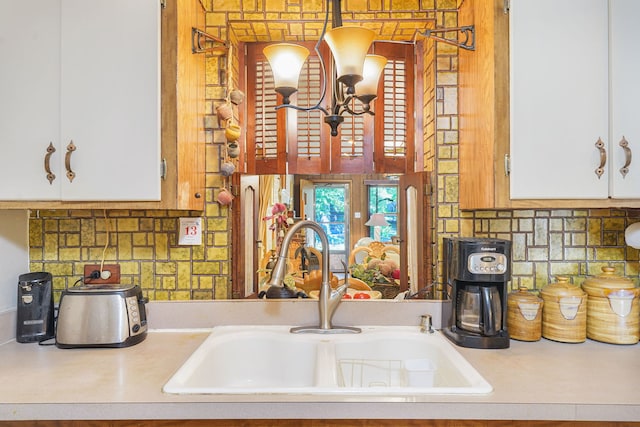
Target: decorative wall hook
468,31
199,38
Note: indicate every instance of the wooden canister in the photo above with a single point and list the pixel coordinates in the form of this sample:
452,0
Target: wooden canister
564,315
524,315
613,311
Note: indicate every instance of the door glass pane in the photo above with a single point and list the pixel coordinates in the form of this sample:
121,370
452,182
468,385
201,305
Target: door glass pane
384,199
332,213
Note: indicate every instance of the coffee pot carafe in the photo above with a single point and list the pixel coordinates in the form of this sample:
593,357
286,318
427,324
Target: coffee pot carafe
476,274
479,310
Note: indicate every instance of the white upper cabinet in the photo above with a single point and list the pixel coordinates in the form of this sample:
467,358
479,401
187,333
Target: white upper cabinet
84,77
559,98
571,95
29,97
624,57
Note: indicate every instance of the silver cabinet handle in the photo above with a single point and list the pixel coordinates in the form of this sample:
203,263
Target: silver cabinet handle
624,170
67,161
163,169
603,158
47,163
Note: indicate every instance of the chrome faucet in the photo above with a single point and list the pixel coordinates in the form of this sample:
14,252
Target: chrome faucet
328,299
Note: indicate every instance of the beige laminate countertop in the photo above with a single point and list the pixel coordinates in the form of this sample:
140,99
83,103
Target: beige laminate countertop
542,380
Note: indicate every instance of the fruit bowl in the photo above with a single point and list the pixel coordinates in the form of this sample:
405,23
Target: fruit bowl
354,294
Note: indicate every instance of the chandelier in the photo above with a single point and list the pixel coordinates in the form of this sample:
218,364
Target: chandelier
354,72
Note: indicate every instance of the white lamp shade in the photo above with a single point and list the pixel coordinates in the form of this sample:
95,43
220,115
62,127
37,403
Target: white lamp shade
373,66
377,220
632,235
286,61
349,46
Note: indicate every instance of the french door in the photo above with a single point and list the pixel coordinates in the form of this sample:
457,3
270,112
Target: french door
328,205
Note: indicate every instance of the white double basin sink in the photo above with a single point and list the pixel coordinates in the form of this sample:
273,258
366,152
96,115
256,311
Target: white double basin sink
381,360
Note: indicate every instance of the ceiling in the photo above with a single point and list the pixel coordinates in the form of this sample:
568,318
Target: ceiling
299,20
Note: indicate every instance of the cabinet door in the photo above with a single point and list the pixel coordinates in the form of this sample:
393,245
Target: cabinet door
29,98
111,98
625,92
559,98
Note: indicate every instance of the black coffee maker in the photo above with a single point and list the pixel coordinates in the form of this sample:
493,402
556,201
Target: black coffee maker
476,274
35,308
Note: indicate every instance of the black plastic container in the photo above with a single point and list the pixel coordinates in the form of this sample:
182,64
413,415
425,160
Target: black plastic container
35,308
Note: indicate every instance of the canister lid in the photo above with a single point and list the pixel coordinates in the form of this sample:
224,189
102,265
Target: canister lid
607,281
523,295
562,288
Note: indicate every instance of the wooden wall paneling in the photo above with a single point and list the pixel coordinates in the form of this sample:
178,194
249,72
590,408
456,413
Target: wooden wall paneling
484,107
190,108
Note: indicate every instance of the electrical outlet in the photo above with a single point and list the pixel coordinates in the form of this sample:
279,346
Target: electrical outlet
110,274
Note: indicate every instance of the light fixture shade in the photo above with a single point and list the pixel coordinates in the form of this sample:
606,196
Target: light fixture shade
377,220
286,61
373,66
349,46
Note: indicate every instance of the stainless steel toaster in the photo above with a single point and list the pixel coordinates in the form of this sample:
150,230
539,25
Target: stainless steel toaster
101,316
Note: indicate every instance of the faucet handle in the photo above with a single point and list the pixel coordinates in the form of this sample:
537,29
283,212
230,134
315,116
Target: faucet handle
346,271
342,289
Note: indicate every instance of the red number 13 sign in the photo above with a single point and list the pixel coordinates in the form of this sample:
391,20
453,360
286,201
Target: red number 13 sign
190,231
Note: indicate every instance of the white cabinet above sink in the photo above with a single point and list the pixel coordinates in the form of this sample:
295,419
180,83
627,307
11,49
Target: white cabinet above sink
80,100
573,96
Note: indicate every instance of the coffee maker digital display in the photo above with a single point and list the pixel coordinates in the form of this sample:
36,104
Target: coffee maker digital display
476,274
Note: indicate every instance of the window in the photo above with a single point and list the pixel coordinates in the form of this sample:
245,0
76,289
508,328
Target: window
331,211
383,198
291,141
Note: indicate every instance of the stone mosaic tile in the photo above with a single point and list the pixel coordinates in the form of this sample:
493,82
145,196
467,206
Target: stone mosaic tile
546,243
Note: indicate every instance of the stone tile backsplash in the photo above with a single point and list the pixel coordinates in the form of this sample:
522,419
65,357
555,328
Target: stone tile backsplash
551,243
145,246
546,243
